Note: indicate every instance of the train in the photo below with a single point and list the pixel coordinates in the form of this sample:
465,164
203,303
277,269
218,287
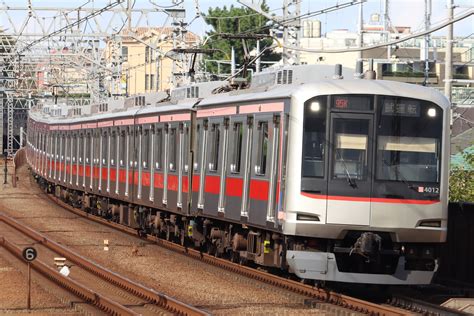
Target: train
310,172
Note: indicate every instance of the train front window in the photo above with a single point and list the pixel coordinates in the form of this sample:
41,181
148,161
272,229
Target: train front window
314,137
408,140
350,148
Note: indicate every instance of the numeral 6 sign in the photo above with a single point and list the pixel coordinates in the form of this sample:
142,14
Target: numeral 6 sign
29,254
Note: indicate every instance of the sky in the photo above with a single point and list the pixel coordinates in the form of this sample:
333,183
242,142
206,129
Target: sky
402,12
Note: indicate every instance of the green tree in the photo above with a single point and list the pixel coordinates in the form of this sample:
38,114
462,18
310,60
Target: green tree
235,20
461,181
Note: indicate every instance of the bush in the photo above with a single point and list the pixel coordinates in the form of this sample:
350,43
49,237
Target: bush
461,181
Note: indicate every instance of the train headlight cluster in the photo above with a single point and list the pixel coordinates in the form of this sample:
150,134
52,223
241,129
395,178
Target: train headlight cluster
315,106
432,112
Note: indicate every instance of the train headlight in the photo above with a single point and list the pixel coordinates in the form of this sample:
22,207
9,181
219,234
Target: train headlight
315,106
432,112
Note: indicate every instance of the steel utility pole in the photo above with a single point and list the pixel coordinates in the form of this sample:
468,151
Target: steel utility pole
290,22
448,68
426,43
361,27
178,15
386,27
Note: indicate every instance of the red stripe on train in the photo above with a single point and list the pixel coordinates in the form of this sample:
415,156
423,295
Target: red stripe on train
259,190
234,186
212,184
368,199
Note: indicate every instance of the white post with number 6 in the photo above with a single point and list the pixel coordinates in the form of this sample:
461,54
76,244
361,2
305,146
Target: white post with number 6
29,254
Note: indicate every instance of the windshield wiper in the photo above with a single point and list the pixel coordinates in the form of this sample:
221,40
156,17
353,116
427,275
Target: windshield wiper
352,182
400,176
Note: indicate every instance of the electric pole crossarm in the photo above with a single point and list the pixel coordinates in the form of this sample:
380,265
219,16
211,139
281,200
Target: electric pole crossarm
69,26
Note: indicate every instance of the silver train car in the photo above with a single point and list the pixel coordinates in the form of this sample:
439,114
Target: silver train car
340,180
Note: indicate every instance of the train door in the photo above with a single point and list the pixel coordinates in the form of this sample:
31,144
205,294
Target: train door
172,166
157,185
112,161
103,159
214,165
237,151
97,137
143,168
132,175
88,161
72,157
183,185
79,157
262,189
198,167
349,181
122,174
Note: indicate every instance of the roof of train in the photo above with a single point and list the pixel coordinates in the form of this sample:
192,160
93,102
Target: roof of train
328,87
323,87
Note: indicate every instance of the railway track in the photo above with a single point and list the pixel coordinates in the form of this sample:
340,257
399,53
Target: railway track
317,294
424,308
89,280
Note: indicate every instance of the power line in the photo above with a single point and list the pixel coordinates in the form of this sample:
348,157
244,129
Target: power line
460,17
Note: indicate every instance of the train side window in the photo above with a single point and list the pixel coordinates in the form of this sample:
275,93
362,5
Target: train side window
73,147
87,143
173,151
145,150
105,147
158,149
185,152
198,148
113,147
122,149
238,130
96,148
80,154
261,166
214,154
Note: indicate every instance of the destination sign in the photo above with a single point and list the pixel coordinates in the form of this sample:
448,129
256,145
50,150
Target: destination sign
401,108
353,102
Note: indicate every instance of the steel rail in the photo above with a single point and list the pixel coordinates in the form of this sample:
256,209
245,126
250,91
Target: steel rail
341,300
103,303
152,296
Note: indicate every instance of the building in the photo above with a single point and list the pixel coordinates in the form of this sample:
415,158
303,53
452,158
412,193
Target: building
141,67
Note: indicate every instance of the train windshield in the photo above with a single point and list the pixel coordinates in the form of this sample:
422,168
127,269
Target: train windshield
367,137
408,140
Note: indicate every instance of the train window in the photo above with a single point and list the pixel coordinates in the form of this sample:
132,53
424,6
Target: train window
214,154
97,152
73,147
158,149
236,157
408,140
105,147
113,148
86,148
80,148
145,148
350,148
172,149
314,137
122,149
90,151
185,148
198,148
261,166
